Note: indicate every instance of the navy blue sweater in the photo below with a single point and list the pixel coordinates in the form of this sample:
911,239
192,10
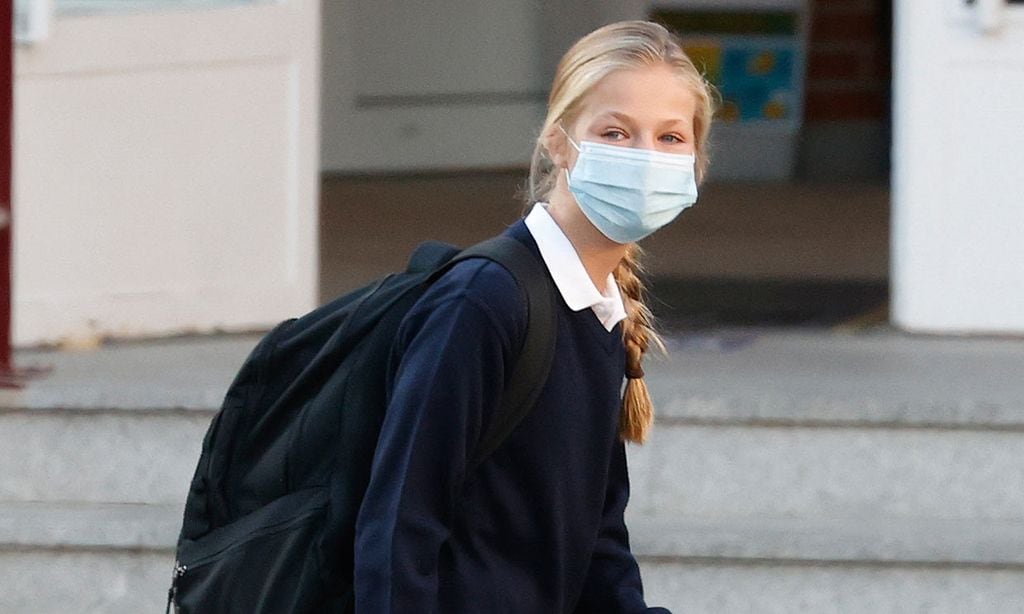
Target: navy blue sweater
538,527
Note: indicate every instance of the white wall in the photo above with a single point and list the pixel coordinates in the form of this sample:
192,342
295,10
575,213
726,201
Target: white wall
958,213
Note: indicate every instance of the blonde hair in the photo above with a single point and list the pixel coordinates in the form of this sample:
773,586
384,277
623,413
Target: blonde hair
623,45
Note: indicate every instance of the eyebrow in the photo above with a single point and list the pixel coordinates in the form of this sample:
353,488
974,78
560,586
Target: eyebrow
627,119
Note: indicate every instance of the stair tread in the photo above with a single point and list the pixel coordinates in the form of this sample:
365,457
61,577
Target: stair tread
786,377
863,540
189,373
74,525
884,378
814,377
70,525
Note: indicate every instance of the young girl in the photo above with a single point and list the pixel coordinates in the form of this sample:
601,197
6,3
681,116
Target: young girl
538,526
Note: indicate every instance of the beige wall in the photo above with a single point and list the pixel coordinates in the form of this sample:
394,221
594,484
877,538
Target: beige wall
166,172
438,86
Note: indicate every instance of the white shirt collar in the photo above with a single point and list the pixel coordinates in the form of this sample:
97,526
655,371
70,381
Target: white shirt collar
571,278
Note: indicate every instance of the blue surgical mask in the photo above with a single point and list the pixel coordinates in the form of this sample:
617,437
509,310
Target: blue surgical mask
628,193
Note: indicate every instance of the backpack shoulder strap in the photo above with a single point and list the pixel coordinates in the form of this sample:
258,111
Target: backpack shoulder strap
430,256
534,362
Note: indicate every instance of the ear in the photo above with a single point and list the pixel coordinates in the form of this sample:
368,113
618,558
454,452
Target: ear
556,144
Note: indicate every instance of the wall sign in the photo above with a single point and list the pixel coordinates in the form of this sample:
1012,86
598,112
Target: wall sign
754,58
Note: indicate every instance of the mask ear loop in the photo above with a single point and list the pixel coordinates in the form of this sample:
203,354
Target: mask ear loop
572,142
568,181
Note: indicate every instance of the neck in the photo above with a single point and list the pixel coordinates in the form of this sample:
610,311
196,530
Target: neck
599,254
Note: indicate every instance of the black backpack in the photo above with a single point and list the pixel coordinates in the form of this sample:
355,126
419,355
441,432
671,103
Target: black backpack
269,522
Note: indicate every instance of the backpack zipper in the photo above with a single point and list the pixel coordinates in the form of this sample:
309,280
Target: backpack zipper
179,571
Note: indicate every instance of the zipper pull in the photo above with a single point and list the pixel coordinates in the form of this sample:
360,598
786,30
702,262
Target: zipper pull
179,571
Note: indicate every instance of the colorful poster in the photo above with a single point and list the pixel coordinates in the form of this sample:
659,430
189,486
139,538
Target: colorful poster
757,82
753,59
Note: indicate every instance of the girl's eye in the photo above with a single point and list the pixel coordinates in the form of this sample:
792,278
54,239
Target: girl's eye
672,138
613,135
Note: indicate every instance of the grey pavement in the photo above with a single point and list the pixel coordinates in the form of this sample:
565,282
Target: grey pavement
784,375
878,377
186,373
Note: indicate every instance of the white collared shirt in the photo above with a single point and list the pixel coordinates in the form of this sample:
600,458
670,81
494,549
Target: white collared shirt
571,278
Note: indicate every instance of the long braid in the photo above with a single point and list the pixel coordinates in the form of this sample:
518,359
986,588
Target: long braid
623,45
638,333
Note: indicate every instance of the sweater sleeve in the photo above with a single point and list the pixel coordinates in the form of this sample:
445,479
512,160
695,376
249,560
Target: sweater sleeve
613,580
449,370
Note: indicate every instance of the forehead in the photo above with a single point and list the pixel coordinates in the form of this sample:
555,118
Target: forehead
654,93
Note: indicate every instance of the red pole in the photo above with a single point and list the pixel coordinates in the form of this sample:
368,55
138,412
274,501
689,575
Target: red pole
10,377
6,219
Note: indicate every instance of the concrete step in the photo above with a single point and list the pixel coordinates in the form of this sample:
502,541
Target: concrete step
147,456
875,379
110,455
835,426
121,424
830,472
806,425
116,558
871,566
75,557
743,587
829,541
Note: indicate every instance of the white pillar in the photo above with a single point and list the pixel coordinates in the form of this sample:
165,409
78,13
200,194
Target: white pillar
958,176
